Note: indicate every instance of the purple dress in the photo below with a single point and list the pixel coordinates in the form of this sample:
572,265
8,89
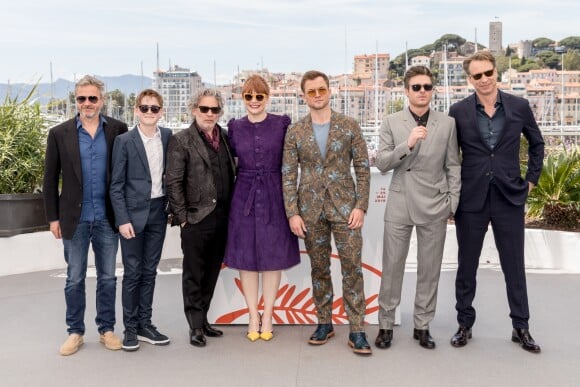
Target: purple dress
259,238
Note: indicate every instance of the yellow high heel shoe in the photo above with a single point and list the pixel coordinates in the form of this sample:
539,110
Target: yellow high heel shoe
254,335
267,336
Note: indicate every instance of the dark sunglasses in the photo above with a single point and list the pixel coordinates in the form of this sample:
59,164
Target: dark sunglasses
321,92
259,97
214,109
426,87
145,108
478,76
92,99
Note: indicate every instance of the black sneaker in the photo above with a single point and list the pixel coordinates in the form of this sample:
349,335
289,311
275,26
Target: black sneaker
151,335
130,343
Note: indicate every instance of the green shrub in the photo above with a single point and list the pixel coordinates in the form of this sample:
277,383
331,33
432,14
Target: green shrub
556,198
22,145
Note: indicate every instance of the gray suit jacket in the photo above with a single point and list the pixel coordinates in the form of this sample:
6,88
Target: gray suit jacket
427,180
130,189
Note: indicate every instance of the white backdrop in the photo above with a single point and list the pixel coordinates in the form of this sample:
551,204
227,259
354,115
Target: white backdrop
294,304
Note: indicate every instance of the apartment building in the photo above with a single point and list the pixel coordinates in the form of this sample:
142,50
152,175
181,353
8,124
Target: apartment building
176,86
366,64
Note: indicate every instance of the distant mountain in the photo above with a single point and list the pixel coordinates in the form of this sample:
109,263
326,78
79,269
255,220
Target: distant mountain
127,84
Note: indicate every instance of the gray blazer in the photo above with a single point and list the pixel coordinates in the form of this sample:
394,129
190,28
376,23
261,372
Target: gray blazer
130,189
427,180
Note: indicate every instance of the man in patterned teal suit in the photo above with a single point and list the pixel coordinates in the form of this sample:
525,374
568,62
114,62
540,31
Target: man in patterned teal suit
323,144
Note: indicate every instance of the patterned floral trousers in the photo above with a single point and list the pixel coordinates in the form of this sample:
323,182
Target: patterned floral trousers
349,245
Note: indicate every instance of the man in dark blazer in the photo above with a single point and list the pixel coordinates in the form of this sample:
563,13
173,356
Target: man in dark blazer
200,179
78,151
489,127
138,197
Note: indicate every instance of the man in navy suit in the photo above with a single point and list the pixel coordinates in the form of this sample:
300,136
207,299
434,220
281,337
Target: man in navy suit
138,197
78,160
489,127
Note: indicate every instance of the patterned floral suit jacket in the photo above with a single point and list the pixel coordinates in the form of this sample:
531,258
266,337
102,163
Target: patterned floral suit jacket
345,145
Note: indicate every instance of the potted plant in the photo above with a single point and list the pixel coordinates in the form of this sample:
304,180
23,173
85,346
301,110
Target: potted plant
556,198
22,147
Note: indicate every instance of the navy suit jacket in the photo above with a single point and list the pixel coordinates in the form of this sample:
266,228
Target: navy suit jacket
63,160
480,163
130,188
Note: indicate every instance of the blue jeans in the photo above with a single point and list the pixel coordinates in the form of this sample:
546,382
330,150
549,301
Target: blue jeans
105,242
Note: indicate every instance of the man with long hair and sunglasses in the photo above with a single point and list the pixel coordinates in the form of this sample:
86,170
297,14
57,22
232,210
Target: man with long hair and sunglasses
139,201
200,179
78,160
327,202
490,124
420,146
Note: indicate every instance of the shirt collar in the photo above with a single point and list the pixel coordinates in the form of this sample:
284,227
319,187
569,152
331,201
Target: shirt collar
157,134
102,121
421,120
497,103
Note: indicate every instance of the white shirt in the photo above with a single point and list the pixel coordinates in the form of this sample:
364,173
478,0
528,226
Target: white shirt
154,151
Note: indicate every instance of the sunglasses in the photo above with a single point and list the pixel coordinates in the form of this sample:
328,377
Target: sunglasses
478,76
92,99
214,109
426,87
145,108
313,92
259,97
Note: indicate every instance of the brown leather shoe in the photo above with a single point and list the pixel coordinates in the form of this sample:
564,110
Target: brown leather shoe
522,336
111,341
71,345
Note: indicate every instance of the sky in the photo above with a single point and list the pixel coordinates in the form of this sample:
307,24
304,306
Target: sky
218,38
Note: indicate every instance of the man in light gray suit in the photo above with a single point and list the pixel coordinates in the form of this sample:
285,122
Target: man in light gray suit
420,146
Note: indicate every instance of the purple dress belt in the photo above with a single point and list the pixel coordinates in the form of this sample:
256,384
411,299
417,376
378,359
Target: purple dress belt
260,177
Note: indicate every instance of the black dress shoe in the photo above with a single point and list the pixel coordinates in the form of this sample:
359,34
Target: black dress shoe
384,338
522,336
424,337
196,337
460,338
209,331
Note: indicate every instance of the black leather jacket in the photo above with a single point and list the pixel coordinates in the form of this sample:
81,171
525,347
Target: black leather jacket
189,180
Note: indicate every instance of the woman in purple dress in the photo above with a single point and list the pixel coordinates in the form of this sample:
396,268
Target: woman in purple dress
259,238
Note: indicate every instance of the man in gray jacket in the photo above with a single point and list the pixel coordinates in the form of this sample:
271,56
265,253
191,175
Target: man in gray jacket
200,178
420,146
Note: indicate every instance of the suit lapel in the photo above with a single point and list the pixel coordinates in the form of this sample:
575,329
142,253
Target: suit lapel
472,116
409,124
432,127
165,134
199,145
508,116
140,147
309,136
73,148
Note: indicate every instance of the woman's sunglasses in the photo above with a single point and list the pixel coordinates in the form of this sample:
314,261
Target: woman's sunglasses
258,96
